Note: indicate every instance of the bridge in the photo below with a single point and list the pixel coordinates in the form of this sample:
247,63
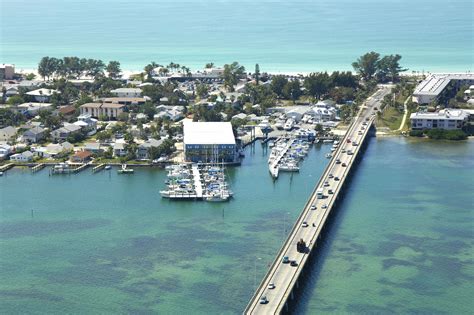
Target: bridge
277,289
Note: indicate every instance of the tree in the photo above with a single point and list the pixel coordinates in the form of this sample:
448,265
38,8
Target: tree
202,90
30,76
209,65
15,100
317,84
389,67
113,68
103,135
257,73
292,90
367,65
277,84
232,74
46,67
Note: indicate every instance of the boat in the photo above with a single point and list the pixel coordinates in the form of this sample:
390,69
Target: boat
1,173
328,155
328,141
61,168
107,167
125,170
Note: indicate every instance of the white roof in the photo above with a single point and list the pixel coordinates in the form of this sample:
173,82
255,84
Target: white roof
43,92
435,83
208,133
448,113
127,90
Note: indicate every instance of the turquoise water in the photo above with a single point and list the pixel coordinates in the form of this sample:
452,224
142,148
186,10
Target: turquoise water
108,243
432,35
402,240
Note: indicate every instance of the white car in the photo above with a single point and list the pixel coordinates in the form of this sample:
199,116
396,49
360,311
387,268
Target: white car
313,207
325,206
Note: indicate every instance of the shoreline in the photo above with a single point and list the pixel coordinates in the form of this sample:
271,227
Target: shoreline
127,73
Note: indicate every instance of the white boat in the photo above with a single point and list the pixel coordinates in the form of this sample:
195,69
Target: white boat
125,170
61,168
328,155
1,173
107,167
328,141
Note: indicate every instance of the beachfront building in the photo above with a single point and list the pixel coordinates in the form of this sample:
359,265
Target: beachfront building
444,119
127,92
7,72
433,87
5,150
42,95
109,110
209,142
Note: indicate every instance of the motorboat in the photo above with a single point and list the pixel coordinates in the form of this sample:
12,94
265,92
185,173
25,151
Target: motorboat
125,170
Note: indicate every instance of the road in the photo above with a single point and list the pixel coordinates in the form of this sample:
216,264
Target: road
316,211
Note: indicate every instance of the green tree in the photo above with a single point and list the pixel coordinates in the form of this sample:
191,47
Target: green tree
202,90
317,84
257,73
277,84
389,67
292,90
15,100
232,74
47,66
113,69
367,65
209,65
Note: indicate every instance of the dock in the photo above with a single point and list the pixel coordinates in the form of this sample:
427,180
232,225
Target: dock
98,168
6,167
197,180
38,167
278,289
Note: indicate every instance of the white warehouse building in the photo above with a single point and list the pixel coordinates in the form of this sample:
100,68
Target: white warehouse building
434,85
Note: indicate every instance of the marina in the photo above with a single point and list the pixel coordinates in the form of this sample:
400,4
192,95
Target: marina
197,182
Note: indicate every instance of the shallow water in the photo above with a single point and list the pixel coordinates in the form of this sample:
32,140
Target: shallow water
107,243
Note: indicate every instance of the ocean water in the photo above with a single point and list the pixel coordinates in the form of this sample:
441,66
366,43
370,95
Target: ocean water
402,239
280,35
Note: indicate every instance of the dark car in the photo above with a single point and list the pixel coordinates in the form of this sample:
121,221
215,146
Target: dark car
294,263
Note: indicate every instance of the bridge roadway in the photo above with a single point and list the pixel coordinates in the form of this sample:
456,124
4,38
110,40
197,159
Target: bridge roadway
284,276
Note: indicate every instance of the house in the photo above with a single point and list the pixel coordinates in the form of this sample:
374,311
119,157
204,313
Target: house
7,72
5,150
67,111
42,95
127,92
87,123
26,156
94,147
239,116
119,149
448,118
322,113
81,157
64,132
435,86
33,108
11,91
143,149
7,133
33,135
53,150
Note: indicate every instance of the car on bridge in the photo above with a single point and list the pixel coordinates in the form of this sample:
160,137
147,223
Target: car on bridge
271,286
336,178
343,164
326,184
324,206
294,263
305,224
331,176
285,260
313,207
330,192
263,300
338,161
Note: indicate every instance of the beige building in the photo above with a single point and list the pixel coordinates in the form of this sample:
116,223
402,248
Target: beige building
111,110
7,72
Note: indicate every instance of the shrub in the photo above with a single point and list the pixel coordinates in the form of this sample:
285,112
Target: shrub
416,133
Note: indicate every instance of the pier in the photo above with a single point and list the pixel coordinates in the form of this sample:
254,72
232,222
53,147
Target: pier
98,168
278,289
38,167
6,167
197,180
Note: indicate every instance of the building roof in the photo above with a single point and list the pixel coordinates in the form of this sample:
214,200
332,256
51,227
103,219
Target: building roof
435,83
82,154
91,105
35,130
42,92
127,90
124,99
67,110
112,105
448,113
34,105
9,130
208,133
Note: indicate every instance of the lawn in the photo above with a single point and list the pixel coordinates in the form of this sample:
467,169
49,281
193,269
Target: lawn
390,118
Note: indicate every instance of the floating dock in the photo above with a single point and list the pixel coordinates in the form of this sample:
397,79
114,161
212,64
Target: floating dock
38,167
